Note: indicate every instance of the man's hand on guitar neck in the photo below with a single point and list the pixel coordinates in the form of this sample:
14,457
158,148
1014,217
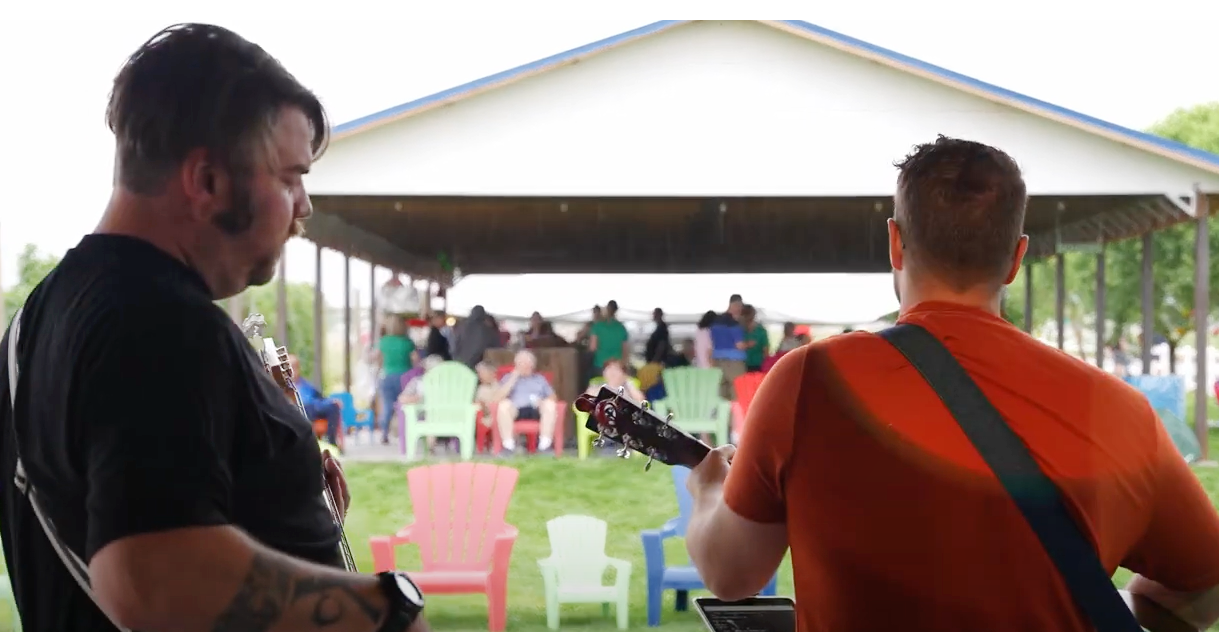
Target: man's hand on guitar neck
337,482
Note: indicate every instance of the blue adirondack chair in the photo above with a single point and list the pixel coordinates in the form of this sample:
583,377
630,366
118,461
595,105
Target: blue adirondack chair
682,579
353,418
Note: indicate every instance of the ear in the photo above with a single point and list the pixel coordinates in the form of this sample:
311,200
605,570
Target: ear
1022,247
895,245
206,185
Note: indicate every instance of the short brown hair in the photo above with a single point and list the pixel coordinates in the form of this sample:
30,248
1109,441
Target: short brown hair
195,86
960,209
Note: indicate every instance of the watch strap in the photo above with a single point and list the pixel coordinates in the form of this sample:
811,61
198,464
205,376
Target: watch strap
402,612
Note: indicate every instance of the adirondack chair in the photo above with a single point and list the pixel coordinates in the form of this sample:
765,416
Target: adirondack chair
355,418
531,427
6,596
745,387
464,543
693,396
448,409
682,579
584,436
573,573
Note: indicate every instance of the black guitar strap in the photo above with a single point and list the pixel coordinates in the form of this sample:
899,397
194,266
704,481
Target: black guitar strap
1038,498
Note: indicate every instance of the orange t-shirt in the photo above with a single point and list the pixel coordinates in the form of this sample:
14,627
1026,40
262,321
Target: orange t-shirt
896,523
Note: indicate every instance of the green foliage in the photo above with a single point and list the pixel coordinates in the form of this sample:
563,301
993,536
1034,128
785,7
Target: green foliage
263,299
1172,255
33,266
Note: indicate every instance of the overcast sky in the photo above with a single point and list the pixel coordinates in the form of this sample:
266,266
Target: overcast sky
1130,66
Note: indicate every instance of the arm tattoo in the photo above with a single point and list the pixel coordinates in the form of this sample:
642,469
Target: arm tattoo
270,590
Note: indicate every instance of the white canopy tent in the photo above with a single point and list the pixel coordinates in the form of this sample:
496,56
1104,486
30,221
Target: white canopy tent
828,299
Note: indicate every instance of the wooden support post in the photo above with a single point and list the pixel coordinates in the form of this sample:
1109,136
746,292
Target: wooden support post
347,323
1060,298
1028,297
1101,324
373,332
281,302
319,326
1146,285
1202,267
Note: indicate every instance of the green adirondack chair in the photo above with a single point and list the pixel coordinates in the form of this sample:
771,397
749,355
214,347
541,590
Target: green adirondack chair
584,436
575,570
10,603
693,396
448,409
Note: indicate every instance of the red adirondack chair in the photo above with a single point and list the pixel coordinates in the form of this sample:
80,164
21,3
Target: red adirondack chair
531,427
746,386
459,527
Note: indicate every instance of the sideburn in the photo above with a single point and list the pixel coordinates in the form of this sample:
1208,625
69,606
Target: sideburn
240,215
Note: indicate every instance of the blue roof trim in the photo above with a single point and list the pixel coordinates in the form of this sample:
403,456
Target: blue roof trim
505,76
1083,121
1005,94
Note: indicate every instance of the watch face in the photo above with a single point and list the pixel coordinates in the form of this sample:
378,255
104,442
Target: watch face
408,589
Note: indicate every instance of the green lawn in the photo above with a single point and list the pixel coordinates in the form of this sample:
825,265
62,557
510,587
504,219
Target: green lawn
617,491
614,490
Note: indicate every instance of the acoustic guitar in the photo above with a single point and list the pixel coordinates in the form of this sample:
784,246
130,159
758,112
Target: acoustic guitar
275,360
637,428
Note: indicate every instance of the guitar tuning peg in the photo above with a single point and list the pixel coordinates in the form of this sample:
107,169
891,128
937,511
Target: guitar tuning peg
647,466
624,452
668,418
645,405
621,391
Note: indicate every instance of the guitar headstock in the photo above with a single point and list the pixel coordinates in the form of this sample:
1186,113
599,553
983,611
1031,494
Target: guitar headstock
274,358
253,326
634,425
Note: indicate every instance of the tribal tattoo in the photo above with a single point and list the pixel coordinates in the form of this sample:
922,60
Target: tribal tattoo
271,589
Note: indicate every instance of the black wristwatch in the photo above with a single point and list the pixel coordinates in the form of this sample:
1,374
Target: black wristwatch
405,601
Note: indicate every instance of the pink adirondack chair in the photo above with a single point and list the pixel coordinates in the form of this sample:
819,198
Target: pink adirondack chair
459,527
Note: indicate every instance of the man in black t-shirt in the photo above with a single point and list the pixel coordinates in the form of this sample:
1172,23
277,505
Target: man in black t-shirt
174,471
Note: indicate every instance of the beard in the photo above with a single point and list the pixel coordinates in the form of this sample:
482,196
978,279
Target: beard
239,218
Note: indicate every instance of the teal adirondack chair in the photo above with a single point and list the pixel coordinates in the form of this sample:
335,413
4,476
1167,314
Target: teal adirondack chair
448,409
576,567
693,396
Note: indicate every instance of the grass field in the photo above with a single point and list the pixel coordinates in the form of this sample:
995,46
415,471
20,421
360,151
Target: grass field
615,490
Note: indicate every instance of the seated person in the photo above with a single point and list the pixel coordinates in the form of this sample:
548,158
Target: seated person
614,374
485,394
525,394
412,393
316,406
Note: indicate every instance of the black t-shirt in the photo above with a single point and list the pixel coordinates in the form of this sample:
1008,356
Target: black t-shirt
144,408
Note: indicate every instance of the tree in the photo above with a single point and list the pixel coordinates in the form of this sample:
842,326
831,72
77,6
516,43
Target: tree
263,299
33,266
1172,272
1173,248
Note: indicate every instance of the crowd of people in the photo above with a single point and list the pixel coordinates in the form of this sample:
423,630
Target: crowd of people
734,341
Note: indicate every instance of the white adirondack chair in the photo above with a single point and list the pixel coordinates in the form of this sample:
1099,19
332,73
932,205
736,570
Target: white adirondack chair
575,570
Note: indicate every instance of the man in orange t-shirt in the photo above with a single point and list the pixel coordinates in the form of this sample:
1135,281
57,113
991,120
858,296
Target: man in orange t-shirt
893,519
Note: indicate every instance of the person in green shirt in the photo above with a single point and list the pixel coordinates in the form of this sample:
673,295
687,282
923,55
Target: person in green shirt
608,338
398,354
757,341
